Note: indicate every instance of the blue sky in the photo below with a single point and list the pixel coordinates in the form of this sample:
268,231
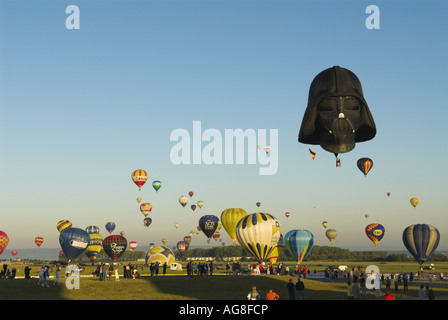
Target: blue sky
81,109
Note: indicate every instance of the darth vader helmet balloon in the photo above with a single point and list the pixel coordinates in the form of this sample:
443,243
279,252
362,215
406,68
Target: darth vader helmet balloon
337,115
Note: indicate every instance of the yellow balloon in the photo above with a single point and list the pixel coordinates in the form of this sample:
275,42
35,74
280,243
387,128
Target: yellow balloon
414,202
230,218
331,235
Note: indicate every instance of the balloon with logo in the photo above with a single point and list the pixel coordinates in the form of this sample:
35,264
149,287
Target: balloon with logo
230,218
147,221
414,202
209,224
259,233
183,200
38,241
331,235
287,214
95,244
115,246
156,185
299,243
145,208
182,246
375,232
200,204
139,177
4,240
73,241
365,165
421,240
110,226
63,224
132,245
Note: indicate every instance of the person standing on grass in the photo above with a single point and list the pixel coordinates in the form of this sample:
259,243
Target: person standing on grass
117,278
271,295
164,268
300,287
291,290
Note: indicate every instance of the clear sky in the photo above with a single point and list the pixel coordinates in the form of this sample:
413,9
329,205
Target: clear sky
81,109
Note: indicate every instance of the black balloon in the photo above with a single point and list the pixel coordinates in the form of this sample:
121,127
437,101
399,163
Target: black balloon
114,246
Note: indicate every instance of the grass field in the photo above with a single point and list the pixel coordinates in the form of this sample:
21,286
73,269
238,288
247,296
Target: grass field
175,285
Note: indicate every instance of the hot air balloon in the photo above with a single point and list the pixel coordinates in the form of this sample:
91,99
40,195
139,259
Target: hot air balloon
366,215
209,224
273,255
4,240
337,115
160,254
230,218
414,202
38,241
313,154
388,194
183,200
331,235
216,235
182,246
421,240
132,245
110,226
176,225
147,221
139,199
63,224
191,193
156,185
193,207
267,149
114,246
145,208
299,243
200,203
164,240
375,232
73,241
259,234
287,214
258,204
95,243
325,224
365,164
139,177
14,253
187,239
122,233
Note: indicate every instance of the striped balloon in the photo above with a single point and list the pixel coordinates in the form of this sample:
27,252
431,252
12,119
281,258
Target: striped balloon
259,233
421,240
95,244
38,241
114,246
365,164
375,232
299,243
63,224
139,177
4,240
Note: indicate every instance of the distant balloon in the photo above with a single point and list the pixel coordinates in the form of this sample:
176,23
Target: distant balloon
331,235
259,233
147,221
267,149
313,154
122,233
365,164
182,246
375,232
325,224
366,215
209,224
414,202
230,218
164,240
388,194
421,240
216,235
183,200
145,208
287,214
139,177
176,225
4,240
73,241
38,241
63,224
139,199
14,253
114,246
258,204
193,207
187,239
132,245
156,185
110,226
299,243
191,193
200,203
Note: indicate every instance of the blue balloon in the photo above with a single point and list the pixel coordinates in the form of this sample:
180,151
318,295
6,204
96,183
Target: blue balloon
299,243
421,240
73,242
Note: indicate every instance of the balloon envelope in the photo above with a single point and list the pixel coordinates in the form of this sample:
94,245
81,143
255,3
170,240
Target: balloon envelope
365,164
38,241
414,202
325,224
331,235
132,245
4,240
230,218
182,246
299,243
200,203
259,233
421,240
183,200
139,177
95,244
63,224
209,224
114,246
110,226
73,241
147,221
145,208
157,185
375,232
160,254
